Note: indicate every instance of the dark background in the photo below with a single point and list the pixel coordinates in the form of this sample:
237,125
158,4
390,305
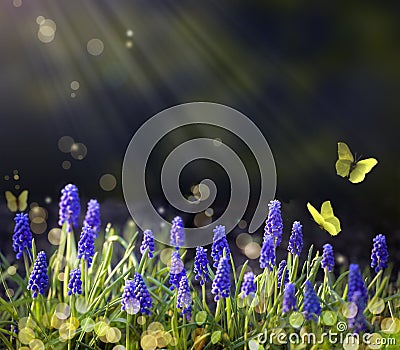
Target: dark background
308,75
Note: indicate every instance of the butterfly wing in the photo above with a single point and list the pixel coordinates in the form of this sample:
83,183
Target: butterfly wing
330,228
11,201
330,218
316,216
345,160
23,200
362,168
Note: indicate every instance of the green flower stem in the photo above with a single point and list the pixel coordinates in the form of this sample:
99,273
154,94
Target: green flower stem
26,263
294,268
67,263
59,257
128,338
229,316
184,335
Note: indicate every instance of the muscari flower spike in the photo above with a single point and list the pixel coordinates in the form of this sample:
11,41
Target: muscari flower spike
148,242
184,298
273,224
281,268
289,298
358,323
296,239
177,233
86,245
69,207
200,265
39,279
379,255
356,285
22,238
75,282
267,255
136,294
328,258
222,282
248,285
220,243
311,307
176,271
92,217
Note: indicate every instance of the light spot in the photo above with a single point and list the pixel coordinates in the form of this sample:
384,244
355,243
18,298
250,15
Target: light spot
113,335
47,200
54,236
377,306
78,151
25,335
65,143
38,228
36,344
209,212
141,320
349,310
243,239
6,177
16,177
129,44
87,325
129,33
66,165
40,20
242,224
95,47
217,142
73,94
12,270
17,3
252,250
17,187
62,311
148,342
75,85
81,304
108,182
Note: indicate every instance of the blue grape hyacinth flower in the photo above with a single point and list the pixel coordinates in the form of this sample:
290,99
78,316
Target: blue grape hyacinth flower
222,282
136,296
248,285
356,285
296,239
148,242
39,279
267,255
22,238
311,306
75,282
281,268
92,217
289,298
184,298
379,254
220,243
274,224
69,207
200,265
328,258
86,245
177,232
176,271
358,323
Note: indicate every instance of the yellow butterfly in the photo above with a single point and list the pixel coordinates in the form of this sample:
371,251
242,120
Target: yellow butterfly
17,204
326,219
347,167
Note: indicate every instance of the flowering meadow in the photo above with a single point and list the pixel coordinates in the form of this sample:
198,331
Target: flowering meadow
147,301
